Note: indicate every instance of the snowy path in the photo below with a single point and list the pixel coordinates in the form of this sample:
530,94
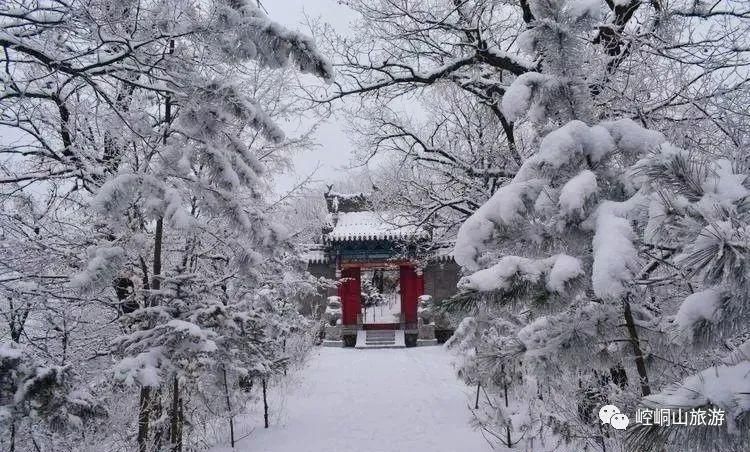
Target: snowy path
373,401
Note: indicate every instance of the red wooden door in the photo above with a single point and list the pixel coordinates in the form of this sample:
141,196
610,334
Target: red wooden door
411,288
350,292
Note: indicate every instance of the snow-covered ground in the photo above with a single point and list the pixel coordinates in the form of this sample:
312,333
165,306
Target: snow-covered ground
371,401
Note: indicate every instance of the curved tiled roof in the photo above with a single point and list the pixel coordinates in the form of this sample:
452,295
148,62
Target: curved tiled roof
369,225
315,254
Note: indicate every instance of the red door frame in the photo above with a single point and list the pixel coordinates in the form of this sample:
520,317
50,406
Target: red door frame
411,282
350,293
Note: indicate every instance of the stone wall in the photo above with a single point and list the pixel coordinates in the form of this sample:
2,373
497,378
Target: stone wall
440,279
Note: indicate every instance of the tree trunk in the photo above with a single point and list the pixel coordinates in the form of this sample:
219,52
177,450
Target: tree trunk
284,349
640,363
505,392
144,414
600,438
146,398
229,407
476,399
158,234
265,403
12,434
159,428
175,431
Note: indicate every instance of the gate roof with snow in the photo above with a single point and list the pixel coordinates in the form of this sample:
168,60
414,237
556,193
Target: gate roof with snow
370,225
354,231
357,237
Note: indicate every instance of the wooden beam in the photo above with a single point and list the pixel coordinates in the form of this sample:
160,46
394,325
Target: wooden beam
390,265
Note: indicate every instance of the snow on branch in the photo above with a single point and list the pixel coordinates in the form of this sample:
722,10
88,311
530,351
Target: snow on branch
269,43
719,253
503,208
142,369
116,195
569,145
722,187
726,387
582,9
30,388
615,257
104,263
549,335
152,352
577,191
564,269
465,336
215,104
631,138
519,96
569,148
703,306
558,269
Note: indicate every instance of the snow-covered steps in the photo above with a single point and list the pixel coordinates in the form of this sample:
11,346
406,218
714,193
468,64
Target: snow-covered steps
330,343
377,337
380,339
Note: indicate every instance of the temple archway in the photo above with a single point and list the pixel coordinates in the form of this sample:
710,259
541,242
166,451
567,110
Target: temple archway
357,242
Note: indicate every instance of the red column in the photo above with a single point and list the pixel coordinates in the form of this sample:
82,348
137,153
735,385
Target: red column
349,291
410,288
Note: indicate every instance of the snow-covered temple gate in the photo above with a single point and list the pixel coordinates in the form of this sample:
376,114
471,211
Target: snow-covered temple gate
358,239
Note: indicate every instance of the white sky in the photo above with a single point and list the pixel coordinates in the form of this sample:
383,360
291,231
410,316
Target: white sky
334,153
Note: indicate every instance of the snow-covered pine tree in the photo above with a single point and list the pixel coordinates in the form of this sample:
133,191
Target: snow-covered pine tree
698,217
185,207
551,256
152,112
259,336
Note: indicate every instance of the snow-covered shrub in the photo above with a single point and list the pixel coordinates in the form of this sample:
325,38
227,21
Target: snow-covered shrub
31,391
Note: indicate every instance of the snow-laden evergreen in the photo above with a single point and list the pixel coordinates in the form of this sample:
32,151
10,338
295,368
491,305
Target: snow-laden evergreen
139,215
592,193
698,216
